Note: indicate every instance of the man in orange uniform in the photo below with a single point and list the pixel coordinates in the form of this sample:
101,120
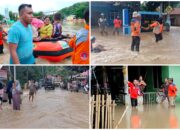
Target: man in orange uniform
80,43
135,32
157,29
172,90
117,25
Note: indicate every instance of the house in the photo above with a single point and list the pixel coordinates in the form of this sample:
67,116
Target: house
111,9
175,17
117,77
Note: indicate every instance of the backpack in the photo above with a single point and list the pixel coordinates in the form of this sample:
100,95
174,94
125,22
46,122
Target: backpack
57,32
156,29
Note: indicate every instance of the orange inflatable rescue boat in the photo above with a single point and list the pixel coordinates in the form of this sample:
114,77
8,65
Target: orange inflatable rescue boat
53,51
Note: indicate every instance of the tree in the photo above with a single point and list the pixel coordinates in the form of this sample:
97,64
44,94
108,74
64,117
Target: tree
76,9
38,14
13,16
25,73
1,17
152,6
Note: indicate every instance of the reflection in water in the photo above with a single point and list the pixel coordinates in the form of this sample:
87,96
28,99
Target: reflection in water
135,120
150,116
173,120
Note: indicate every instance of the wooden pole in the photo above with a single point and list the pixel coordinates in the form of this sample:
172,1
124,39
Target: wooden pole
108,112
113,111
92,110
106,121
98,121
102,125
96,109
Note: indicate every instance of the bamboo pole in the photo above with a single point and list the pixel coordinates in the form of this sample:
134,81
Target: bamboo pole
110,112
92,110
96,109
113,111
102,125
98,120
106,121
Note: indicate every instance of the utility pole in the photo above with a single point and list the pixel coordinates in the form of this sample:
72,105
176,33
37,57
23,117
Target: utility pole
14,73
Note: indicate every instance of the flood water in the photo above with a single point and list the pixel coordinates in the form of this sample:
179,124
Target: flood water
50,109
68,28
118,49
148,116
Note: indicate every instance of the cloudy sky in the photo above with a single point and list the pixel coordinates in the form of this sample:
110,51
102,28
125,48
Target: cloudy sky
37,5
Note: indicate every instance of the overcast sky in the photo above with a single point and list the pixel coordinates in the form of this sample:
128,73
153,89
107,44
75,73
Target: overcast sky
37,5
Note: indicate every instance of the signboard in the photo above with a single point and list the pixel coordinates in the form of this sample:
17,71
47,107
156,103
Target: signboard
3,74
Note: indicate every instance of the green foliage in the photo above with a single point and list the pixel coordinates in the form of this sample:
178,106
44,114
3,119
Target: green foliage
76,9
152,6
25,73
38,14
1,17
13,16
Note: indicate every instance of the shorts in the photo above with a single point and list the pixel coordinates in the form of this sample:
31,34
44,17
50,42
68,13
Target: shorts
133,102
31,93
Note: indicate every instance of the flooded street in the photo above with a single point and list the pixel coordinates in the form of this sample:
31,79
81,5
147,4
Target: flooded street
118,49
148,116
68,28
50,109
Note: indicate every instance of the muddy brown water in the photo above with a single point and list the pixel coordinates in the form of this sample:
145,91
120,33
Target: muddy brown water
50,109
118,49
68,28
148,116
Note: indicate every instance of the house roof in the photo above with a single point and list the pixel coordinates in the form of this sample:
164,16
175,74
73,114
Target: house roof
176,11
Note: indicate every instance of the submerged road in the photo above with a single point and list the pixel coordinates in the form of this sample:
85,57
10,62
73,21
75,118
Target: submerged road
50,109
118,48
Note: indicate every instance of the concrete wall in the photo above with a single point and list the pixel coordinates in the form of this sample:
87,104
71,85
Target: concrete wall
149,79
165,72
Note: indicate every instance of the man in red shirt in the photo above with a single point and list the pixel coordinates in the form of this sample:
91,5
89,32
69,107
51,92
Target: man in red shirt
172,90
2,35
133,91
117,25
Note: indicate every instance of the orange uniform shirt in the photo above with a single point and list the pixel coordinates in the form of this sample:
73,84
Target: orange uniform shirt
135,28
172,89
80,45
155,24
